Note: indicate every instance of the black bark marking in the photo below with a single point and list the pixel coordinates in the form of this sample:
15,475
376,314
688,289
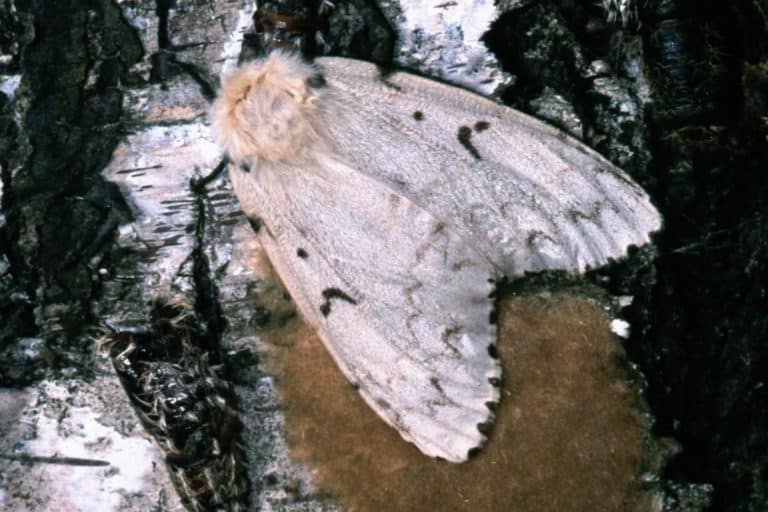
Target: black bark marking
301,253
418,115
481,126
334,293
465,138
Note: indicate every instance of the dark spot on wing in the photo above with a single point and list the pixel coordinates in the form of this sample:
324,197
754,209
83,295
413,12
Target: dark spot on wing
436,384
245,167
333,293
418,115
492,406
383,403
384,73
493,317
400,183
255,223
316,81
492,351
439,228
484,428
473,452
495,382
451,331
355,386
530,240
460,265
465,138
481,126
301,253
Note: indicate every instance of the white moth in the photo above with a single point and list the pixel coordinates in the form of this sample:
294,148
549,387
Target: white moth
390,204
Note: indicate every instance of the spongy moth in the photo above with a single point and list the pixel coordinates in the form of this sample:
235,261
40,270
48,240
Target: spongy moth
390,205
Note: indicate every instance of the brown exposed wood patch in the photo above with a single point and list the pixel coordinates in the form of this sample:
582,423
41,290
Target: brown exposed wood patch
569,428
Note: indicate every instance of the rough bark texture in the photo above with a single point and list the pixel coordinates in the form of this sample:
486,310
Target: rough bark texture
103,125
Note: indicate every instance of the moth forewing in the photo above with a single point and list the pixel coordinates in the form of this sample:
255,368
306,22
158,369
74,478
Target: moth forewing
406,322
388,205
527,195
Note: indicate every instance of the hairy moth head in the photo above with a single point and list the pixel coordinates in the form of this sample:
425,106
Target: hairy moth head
268,109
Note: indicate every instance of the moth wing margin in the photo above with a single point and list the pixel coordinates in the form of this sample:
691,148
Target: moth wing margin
400,301
531,197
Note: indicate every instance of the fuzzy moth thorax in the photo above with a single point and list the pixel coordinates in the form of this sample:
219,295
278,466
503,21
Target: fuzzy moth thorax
269,110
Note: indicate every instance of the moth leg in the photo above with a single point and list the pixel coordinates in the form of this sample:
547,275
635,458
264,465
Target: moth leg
198,184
